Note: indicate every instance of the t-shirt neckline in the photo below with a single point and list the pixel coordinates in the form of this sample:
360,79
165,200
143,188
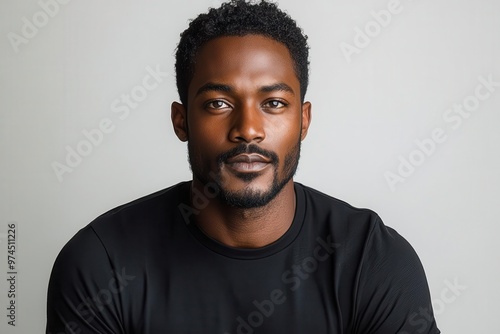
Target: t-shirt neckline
252,253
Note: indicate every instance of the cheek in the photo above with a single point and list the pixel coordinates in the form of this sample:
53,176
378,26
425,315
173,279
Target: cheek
204,139
213,129
201,129
285,136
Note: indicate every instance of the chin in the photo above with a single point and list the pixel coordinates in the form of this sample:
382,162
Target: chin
252,196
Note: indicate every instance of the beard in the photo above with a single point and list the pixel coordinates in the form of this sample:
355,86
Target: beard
246,198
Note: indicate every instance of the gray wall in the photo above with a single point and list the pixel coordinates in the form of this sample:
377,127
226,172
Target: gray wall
387,130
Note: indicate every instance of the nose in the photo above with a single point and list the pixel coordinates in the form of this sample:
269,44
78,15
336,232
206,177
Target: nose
247,124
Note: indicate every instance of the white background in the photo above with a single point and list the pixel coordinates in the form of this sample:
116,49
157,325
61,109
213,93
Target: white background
366,114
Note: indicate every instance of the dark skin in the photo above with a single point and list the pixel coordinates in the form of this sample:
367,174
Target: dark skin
244,91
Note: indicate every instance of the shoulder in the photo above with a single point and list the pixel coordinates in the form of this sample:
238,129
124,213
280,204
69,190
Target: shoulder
325,202
375,246
165,199
106,256
119,235
141,215
345,216
84,288
82,250
389,283
342,219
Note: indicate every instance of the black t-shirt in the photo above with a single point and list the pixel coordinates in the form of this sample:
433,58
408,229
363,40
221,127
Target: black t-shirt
144,267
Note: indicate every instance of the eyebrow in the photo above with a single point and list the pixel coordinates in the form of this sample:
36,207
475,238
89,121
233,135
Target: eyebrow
212,86
281,86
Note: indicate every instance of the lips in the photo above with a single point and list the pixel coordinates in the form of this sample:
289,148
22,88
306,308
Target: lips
247,158
248,163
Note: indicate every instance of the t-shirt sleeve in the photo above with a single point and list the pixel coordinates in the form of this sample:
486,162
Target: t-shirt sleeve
84,289
393,294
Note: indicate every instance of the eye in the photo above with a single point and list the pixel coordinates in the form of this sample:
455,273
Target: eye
275,104
217,104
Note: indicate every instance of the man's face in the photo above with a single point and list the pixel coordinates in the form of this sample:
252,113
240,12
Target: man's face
244,121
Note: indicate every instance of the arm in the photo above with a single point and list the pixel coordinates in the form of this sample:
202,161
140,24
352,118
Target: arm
392,293
84,289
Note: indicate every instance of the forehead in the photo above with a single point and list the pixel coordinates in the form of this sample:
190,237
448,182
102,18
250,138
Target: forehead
243,60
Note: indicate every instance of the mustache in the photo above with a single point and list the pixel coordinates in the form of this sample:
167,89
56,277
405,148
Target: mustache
245,148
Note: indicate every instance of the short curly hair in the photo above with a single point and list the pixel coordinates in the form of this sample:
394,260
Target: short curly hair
239,18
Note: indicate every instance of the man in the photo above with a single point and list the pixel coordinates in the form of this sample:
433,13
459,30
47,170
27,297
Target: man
241,248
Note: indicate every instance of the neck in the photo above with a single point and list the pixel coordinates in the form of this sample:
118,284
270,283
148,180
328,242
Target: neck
247,228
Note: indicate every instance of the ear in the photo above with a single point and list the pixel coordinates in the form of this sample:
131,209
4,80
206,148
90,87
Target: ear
306,118
179,120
